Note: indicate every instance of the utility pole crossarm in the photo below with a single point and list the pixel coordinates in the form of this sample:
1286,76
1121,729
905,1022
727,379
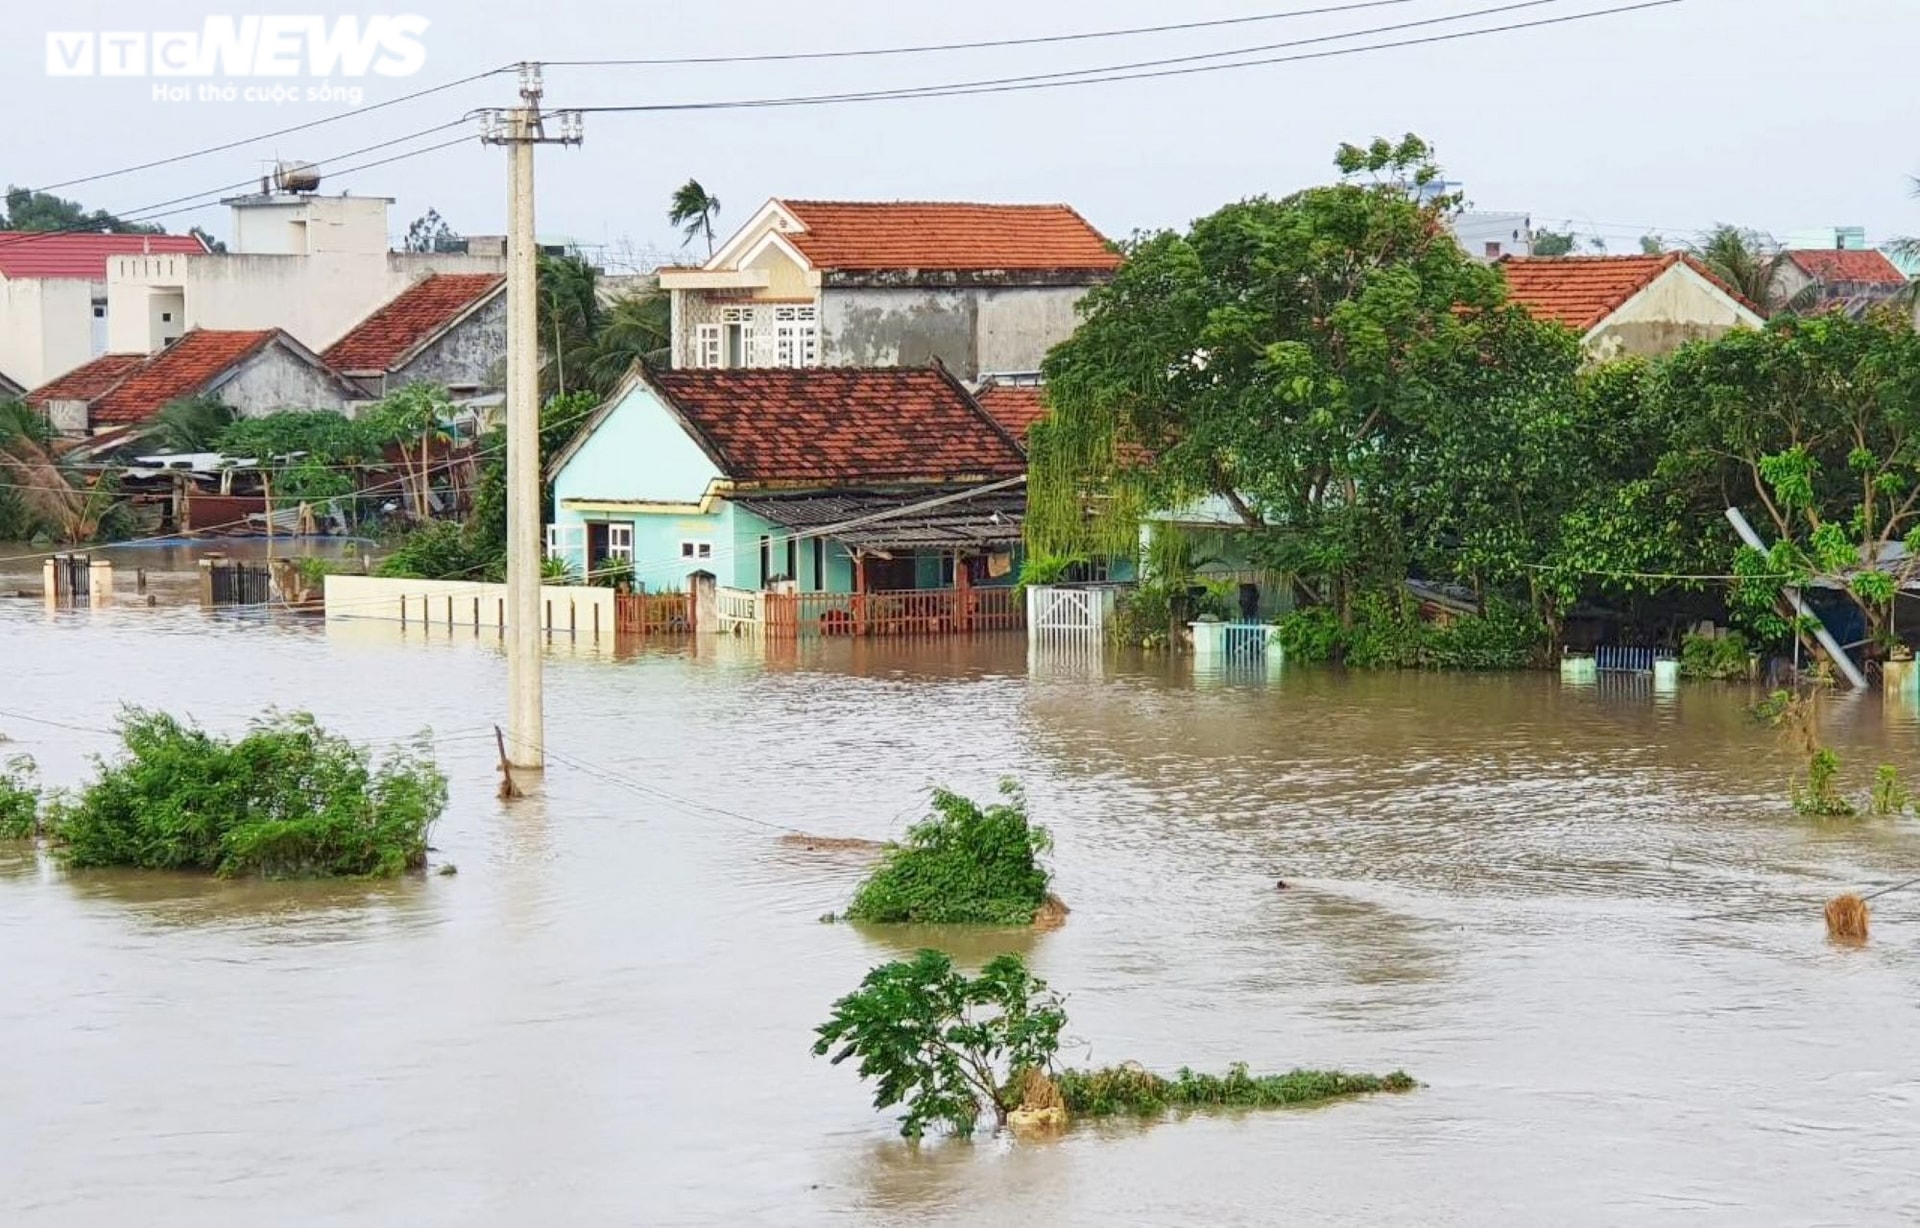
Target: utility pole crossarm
520,129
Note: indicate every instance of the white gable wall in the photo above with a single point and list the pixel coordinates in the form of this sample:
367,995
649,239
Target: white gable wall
1676,307
639,452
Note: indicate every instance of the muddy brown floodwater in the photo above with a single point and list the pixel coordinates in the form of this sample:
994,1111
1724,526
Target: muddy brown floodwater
604,1018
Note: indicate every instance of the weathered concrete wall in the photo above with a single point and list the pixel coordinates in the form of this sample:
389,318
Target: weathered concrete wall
472,353
900,328
68,417
1018,327
971,330
275,379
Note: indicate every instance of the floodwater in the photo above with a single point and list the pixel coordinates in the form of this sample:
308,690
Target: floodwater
168,566
1584,918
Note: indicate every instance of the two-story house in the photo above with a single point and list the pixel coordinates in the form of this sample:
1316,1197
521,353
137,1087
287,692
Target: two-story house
979,288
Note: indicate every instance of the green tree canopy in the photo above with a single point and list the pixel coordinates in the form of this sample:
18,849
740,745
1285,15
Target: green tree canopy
31,210
1291,359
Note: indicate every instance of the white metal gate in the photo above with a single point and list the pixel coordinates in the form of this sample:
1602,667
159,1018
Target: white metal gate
1067,617
739,610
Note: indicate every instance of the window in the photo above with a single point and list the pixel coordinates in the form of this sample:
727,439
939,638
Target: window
620,541
819,565
707,346
766,559
696,550
99,311
1493,251
166,317
796,337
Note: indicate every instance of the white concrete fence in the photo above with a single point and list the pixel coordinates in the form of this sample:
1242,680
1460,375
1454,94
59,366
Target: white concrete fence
457,604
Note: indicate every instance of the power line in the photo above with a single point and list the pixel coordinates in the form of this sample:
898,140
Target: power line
986,44
201,199
278,132
1120,72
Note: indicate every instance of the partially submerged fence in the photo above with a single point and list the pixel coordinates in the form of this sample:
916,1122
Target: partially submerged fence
1235,642
578,611
1068,617
895,613
231,582
652,615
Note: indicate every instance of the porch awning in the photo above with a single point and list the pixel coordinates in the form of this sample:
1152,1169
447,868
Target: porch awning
900,520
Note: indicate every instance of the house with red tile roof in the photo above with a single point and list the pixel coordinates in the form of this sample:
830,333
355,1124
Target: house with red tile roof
1629,305
840,479
446,328
1836,278
53,297
806,283
254,372
1016,402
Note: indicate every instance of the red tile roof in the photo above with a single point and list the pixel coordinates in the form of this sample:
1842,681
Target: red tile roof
1861,268
87,381
870,236
1581,291
415,316
1014,406
53,253
839,425
183,369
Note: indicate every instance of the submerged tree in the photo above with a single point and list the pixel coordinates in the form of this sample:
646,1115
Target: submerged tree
946,1045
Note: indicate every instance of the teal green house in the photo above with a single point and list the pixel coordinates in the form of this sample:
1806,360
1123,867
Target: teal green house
839,480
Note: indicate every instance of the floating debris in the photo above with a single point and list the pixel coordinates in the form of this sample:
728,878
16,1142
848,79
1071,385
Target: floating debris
1847,919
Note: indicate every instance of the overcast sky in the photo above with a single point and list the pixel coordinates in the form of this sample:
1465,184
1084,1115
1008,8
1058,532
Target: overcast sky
1779,114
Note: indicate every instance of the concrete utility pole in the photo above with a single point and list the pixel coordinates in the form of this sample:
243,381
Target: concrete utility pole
520,129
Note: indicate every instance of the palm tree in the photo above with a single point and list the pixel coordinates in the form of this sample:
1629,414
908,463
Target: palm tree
1745,259
569,320
693,211
41,493
637,328
1750,261
191,425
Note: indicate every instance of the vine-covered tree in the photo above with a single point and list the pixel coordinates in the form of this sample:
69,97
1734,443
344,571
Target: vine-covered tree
1288,359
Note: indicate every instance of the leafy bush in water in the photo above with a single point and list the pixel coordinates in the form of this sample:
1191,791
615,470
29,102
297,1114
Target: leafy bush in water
19,799
441,550
943,1043
1722,657
1388,633
963,864
1312,634
1115,1090
286,800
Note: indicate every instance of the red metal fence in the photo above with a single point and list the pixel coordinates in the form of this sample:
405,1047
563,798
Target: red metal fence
647,615
901,612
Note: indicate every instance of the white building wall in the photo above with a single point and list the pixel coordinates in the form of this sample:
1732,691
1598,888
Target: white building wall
1677,307
317,298
46,327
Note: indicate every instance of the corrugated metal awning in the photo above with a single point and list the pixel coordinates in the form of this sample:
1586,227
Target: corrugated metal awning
900,520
